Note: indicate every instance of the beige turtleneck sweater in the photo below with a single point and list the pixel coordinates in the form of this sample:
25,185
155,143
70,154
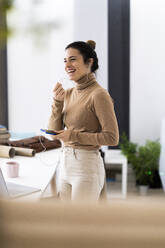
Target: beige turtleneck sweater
88,112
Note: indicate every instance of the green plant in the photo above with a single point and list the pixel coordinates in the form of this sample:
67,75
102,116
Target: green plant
5,5
144,159
5,31
29,19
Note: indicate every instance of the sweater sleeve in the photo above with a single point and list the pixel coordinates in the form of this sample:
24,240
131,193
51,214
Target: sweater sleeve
55,120
109,134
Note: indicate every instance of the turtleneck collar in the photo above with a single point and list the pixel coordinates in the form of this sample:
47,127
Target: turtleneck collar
86,81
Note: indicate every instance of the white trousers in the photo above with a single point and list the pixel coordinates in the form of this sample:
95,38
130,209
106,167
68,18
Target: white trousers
81,174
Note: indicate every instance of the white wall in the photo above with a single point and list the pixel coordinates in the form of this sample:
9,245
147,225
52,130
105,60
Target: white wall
35,64
90,23
34,70
147,58
147,78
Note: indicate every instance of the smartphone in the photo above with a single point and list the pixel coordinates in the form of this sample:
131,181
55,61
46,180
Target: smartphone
47,131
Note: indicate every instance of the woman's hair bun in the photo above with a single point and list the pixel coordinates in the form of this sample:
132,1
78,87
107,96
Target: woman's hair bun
91,43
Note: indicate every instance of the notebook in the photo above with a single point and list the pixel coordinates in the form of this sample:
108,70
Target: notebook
12,190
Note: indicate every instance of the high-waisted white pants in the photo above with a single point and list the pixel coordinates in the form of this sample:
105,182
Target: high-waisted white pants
81,174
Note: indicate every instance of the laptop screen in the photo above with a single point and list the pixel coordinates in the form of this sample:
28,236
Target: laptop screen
3,188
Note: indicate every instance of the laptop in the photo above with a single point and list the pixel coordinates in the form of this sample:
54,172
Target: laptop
12,190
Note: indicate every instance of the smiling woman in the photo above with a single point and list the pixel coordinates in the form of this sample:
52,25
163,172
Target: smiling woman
87,112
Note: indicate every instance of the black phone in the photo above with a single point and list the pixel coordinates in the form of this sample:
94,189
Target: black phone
48,131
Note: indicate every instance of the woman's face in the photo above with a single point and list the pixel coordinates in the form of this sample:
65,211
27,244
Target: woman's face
74,64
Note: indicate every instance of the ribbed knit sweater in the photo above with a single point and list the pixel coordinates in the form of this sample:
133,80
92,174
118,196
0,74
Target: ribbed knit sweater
88,112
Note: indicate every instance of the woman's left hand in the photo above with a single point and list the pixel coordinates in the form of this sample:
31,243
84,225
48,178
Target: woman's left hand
63,135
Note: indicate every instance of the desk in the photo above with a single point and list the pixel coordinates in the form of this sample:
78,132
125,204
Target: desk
34,171
37,171
114,156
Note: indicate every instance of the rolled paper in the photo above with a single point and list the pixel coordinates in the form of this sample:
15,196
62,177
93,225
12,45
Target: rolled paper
24,151
7,152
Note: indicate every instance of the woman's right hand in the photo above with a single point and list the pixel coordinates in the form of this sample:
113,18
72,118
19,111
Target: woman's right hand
59,92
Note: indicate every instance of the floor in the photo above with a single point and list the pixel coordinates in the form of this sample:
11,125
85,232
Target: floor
114,192
114,187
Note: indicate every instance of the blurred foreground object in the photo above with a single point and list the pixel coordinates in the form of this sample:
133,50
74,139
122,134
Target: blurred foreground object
51,224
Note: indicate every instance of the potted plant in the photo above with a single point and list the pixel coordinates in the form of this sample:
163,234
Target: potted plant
144,160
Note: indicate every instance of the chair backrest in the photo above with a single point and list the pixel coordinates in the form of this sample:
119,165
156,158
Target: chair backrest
56,225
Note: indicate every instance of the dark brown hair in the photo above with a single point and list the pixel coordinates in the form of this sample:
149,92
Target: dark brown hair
87,50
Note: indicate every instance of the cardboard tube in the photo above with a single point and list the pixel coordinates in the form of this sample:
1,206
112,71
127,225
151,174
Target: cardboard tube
7,152
24,151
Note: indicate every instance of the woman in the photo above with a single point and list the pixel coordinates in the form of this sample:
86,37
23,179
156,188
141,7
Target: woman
87,112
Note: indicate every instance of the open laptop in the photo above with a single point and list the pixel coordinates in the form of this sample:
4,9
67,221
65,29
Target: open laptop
12,190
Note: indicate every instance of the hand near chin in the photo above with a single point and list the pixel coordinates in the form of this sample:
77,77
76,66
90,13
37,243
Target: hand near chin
63,135
59,92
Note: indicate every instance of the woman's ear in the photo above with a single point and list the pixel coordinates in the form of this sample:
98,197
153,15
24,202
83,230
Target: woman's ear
90,62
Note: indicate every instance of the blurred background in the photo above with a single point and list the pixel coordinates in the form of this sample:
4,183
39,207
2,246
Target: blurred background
130,40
